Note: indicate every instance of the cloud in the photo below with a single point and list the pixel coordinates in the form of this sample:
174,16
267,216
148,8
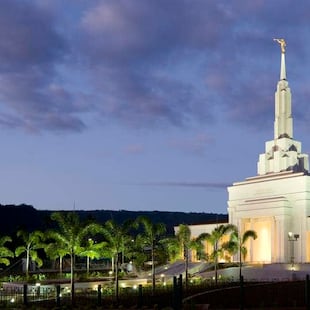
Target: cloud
146,64
188,184
197,144
30,49
138,57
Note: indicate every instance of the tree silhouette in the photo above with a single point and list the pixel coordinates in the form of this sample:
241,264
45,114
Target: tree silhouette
4,251
92,250
237,244
32,243
56,250
116,237
215,238
70,235
150,235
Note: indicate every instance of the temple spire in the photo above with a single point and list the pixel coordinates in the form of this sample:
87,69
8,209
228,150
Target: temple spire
283,69
283,125
283,153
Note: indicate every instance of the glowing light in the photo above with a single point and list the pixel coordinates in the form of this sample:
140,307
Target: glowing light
12,300
123,285
38,284
262,245
135,287
67,289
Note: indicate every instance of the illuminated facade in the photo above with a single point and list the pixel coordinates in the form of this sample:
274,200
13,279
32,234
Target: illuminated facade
277,200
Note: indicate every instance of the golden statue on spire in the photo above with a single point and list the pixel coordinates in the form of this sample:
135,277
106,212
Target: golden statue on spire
282,44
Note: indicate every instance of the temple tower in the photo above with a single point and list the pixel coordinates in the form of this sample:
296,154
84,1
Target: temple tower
282,153
276,202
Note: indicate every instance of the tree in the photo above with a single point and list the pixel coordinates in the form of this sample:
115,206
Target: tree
32,243
215,238
179,247
116,237
136,252
186,243
92,250
237,244
4,251
56,250
70,235
150,235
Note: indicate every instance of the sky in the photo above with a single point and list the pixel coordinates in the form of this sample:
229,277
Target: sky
143,104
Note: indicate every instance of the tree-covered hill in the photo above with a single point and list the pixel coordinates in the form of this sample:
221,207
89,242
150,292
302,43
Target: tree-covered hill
15,217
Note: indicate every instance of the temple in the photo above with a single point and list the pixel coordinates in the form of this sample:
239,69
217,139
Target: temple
276,202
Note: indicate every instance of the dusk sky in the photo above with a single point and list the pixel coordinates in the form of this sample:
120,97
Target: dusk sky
143,104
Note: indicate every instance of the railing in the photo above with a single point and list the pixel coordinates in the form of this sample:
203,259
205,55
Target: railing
258,294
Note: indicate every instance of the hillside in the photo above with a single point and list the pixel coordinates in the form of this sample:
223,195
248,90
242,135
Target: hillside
13,217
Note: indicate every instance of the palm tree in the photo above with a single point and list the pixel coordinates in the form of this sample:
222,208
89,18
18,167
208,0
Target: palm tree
150,235
92,250
135,252
172,246
180,245
55,250
186,243
215,238
4,251
70,235
237,244
32,243
116,237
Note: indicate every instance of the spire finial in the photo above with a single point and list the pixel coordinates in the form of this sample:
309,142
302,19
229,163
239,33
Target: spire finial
283,70
282,44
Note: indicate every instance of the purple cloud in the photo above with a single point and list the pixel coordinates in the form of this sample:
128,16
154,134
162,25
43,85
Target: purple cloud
197,145
146,64
188,184
30,49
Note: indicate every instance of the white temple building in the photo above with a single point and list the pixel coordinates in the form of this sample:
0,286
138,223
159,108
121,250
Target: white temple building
276,202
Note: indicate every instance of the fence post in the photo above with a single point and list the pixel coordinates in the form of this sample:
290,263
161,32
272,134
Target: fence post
175,293
99,295
180,293
25,296
58,295
241,293
307,293
140,296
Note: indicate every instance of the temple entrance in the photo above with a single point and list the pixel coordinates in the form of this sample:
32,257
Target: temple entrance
259,250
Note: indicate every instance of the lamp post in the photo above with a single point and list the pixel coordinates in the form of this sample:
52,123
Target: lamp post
292,237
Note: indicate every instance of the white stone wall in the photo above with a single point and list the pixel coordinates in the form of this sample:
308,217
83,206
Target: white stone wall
283,200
